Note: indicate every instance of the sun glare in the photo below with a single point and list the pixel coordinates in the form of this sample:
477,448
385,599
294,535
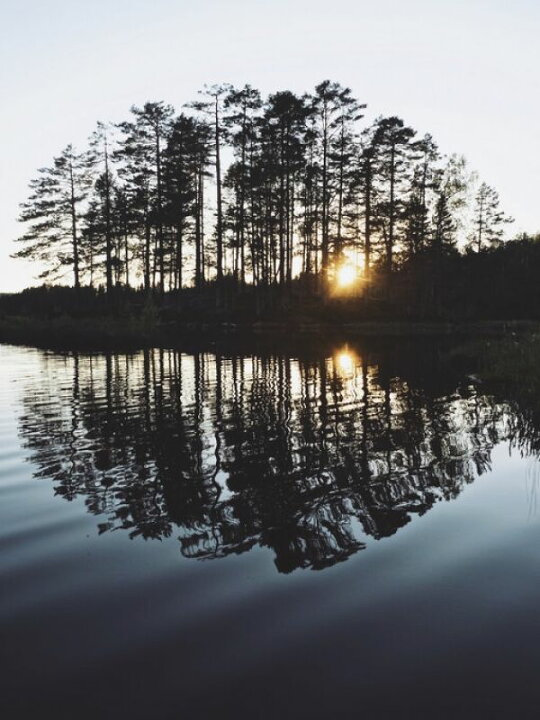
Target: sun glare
346,275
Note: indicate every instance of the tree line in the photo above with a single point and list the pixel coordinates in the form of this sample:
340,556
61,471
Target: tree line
258,189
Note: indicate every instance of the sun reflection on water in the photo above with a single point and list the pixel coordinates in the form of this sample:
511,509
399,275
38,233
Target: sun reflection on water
346,362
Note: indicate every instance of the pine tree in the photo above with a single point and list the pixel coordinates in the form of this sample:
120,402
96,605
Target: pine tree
489,220
365,189
211,106
418,204
326,108
99,160
283,128
185,158
141,154
53,213
242,108
450,184
343,149
392,143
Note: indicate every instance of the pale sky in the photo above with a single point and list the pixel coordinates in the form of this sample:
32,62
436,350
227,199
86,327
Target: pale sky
464,70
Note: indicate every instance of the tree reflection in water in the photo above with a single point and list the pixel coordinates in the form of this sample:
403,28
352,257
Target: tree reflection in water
310,457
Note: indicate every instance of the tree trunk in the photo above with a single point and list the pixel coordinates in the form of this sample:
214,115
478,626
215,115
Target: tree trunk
219,224
108,234
74,237
391,219
367,219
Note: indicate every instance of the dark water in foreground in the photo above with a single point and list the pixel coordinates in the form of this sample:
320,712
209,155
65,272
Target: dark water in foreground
196,536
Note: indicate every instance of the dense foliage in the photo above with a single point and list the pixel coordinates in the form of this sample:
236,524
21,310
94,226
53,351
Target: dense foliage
262,190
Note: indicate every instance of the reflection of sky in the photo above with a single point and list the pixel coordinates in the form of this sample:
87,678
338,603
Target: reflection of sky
463,70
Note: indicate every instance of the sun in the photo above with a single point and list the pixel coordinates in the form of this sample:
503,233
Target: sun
346,275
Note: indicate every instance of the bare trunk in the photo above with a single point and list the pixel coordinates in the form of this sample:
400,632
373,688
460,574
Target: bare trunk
74,237
219,224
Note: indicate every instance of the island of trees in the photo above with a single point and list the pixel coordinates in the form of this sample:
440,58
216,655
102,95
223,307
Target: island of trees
248,208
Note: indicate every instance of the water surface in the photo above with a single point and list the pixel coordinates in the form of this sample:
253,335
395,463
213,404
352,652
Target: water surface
339,534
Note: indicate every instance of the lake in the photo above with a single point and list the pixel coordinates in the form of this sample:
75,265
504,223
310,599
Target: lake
344,533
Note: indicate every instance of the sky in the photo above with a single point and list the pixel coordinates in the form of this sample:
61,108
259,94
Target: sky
465,71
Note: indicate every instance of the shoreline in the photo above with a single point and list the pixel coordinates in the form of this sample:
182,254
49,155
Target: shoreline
109,333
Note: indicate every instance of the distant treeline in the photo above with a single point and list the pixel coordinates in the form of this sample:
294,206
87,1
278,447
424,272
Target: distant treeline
255,191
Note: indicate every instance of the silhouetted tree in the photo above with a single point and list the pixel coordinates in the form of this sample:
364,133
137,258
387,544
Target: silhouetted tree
142,154
99,161
489,220
53,213
211,105
242,108
392,143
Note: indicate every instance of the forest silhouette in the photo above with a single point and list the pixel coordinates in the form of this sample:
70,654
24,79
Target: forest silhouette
244,208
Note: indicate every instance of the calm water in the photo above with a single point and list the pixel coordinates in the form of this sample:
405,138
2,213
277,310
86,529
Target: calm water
202,535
